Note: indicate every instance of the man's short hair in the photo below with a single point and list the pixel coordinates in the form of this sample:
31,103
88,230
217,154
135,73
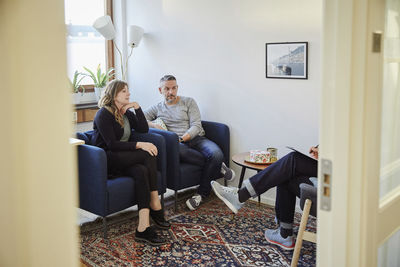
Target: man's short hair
167,78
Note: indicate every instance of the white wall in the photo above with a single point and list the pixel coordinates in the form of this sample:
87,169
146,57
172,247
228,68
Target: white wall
216,49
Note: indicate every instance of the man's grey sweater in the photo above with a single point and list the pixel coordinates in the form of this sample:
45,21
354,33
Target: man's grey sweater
183,117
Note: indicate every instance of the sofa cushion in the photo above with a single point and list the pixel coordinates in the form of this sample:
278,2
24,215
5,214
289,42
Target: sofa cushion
120,193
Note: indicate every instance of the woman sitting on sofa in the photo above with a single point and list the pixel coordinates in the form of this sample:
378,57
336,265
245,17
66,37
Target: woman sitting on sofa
112,126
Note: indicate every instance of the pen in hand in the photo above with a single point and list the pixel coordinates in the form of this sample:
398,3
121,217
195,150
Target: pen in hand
314,151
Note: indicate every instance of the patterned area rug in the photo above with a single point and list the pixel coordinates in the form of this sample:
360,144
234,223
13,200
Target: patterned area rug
209,236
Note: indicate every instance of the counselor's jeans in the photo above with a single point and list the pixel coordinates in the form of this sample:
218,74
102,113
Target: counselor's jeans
203,152
286,174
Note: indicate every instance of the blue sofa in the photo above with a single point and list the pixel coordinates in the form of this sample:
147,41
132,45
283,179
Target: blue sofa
99,194
181,175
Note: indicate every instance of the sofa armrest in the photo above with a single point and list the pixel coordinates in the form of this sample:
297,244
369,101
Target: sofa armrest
85,136
172,146
219,134
159,142
92,167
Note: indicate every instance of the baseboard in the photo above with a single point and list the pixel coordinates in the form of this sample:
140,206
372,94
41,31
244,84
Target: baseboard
271,202
266,200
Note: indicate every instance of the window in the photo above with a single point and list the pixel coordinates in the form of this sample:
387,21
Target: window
85,46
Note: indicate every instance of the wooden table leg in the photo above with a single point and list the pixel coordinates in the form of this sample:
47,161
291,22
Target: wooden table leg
241,177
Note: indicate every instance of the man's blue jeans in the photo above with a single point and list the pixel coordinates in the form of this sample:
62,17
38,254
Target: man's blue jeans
286,174
203,152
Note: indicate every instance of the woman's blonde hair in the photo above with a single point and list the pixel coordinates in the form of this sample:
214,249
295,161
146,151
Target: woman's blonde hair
107,99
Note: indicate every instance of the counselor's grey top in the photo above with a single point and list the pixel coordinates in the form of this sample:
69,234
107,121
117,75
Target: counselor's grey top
181,118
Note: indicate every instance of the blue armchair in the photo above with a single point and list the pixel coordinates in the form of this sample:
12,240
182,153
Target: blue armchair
182,175
103,196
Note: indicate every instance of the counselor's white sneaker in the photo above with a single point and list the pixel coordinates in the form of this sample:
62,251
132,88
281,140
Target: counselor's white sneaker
229,195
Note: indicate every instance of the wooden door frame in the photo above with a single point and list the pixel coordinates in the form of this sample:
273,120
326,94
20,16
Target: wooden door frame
349,134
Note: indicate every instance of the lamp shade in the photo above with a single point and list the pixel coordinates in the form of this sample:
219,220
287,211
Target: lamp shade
135,34
105,27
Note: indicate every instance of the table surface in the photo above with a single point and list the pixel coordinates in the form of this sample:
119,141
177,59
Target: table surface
240,160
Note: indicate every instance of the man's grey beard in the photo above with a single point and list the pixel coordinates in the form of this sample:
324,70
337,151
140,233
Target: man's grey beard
169,100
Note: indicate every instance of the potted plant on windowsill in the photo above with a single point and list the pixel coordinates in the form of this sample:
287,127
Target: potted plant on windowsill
77,88
100,79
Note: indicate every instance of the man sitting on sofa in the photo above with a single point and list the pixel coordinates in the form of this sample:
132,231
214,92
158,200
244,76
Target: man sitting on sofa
181,115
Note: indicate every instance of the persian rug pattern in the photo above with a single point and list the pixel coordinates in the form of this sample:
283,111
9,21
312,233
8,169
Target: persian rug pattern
209,236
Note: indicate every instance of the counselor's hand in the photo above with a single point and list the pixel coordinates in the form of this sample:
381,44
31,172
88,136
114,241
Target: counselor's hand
124,108
149,147
314,152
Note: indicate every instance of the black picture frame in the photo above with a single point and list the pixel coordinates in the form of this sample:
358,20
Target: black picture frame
286,60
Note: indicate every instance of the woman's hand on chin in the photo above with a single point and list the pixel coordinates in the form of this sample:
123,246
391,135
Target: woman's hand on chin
134,105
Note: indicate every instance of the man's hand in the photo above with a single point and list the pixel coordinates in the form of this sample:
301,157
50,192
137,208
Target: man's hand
149,147
314,152
186,137
154,125
134,105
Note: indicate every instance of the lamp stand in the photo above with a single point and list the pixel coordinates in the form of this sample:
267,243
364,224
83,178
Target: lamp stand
123,70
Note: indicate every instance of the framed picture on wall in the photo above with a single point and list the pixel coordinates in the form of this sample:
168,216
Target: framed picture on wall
287,60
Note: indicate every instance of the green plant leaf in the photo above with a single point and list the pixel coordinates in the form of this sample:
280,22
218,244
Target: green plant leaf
76,82
91,75
103,78
99,78
99,81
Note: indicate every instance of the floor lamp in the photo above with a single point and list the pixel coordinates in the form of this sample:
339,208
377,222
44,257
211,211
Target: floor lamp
106,28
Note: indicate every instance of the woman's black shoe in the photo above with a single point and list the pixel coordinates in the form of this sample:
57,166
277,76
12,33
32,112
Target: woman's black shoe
158,218
149,236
